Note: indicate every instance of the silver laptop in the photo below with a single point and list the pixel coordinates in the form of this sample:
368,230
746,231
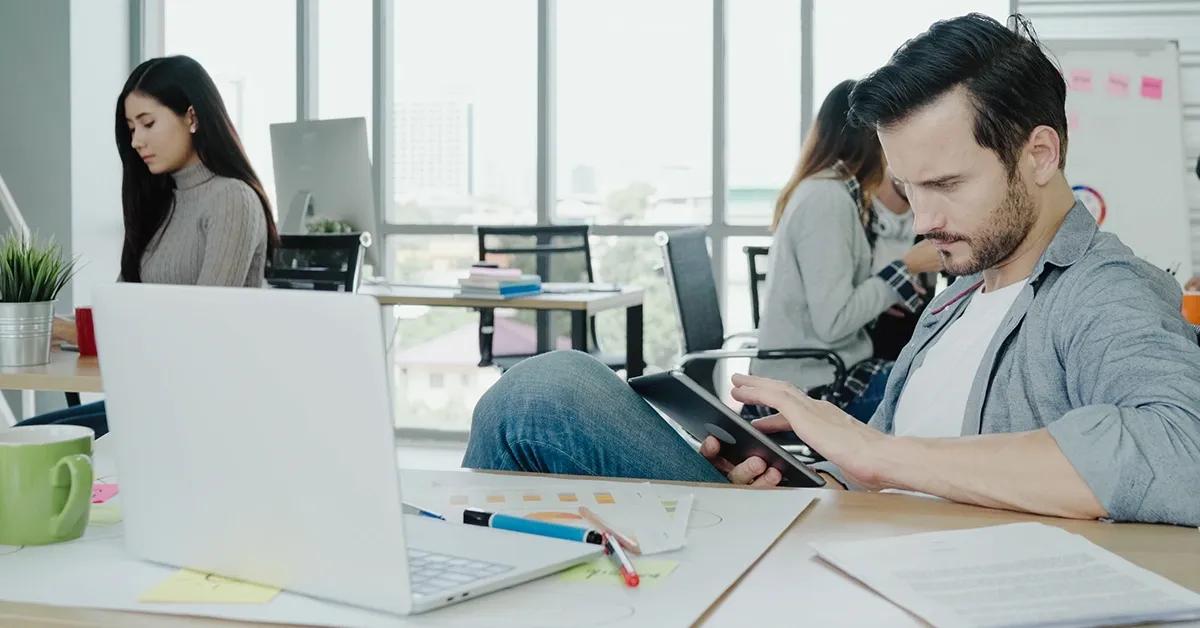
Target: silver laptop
254,440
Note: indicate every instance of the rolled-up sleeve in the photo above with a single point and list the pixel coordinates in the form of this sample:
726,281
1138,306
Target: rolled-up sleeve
1134,371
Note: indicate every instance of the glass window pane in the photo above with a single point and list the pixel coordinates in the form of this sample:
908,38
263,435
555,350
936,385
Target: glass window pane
738,315
636,261
344,64
763,47
634,111
464,116
252,61
851,38
435,344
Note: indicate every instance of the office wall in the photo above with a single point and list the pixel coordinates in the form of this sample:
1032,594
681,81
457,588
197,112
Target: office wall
35,115
1134,19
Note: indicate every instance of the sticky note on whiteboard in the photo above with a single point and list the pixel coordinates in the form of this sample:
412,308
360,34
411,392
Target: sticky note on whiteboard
1072,120
1081,80
1152,88
1118,85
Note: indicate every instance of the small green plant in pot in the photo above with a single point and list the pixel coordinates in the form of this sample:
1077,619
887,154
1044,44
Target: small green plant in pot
31,276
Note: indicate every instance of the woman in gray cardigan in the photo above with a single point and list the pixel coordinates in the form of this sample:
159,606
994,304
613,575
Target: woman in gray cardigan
821,291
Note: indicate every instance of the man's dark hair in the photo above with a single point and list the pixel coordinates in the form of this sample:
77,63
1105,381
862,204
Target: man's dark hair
1013,86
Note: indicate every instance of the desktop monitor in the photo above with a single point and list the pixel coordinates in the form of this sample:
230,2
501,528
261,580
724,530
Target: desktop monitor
323,170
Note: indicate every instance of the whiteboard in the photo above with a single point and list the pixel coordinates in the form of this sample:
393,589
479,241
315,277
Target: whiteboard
1125,152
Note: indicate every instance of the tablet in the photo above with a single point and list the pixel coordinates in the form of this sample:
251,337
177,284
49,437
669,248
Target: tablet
701,414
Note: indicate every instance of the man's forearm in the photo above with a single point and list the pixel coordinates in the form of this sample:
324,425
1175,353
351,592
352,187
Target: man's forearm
1025,471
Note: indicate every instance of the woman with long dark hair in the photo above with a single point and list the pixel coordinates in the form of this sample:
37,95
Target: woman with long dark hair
195,211
821,291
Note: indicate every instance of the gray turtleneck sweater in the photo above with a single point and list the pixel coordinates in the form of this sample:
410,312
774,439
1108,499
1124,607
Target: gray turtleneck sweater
216,234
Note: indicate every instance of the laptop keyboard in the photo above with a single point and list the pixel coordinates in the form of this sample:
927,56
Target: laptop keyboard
429,573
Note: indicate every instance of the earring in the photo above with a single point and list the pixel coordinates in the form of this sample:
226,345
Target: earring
193,129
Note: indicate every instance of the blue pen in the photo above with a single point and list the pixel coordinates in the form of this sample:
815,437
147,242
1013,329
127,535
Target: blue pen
476,517
421,511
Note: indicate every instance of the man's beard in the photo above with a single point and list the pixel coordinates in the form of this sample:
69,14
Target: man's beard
1004,230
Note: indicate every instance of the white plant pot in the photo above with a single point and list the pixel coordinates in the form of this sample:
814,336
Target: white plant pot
25,330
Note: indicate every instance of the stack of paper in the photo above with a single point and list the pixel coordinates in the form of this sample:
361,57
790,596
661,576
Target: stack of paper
498,283
1022,574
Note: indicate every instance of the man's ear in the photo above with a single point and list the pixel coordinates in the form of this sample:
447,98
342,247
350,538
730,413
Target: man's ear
1043,152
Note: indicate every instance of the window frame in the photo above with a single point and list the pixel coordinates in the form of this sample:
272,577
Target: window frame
146,40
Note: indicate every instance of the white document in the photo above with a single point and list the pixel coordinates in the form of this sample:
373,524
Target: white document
1021,574
95,571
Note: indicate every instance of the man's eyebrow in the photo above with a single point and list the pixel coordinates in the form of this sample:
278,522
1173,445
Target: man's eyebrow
934,182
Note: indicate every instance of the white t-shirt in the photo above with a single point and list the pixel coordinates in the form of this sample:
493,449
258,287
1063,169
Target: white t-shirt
934,400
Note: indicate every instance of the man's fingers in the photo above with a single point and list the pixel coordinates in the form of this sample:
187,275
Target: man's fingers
771,478
772,424
771,397
759,382
748,470
710,448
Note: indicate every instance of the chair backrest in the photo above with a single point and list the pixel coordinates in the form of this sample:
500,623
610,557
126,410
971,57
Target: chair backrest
317,262
689,271
556,254
693,286
756,262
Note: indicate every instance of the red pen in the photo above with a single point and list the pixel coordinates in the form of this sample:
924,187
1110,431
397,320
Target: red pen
614,551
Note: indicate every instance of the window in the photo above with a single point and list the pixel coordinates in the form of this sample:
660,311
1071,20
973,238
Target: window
851,38
344,67
634,112
465,112
635,261
253,63
763,92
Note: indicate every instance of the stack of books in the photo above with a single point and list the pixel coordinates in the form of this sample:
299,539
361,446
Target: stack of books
498,283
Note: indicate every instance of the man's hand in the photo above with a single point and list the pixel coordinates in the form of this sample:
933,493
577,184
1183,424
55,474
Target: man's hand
839,437
752,471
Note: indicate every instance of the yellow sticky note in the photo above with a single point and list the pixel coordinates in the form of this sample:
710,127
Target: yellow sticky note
603,569
104,514
187,586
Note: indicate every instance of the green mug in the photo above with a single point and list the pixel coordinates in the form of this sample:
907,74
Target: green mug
45,483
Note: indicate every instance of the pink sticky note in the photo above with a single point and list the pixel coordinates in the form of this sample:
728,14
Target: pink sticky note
1072,120
1081,80
1118,85
103,492
1152,87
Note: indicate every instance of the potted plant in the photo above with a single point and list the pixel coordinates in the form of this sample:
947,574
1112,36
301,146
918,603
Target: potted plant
31,277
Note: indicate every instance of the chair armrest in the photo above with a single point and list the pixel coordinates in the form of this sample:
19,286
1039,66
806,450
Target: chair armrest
839,366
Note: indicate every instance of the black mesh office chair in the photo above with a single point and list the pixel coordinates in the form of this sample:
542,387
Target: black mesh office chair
694,291
756,261
318,262
556,254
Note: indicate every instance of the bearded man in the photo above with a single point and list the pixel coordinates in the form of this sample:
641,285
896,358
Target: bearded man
1054,376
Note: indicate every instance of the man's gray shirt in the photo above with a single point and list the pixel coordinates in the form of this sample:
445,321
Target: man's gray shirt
1095,350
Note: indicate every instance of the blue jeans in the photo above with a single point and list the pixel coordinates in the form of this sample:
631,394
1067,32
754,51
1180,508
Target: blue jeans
863,407
566,412
88,415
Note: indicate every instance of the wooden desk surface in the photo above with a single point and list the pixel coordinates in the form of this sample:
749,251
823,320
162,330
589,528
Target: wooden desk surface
66,372
789,581
592,302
